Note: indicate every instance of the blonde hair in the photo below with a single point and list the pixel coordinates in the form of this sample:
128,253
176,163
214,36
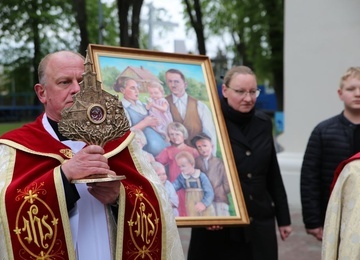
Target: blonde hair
176,126
155,84
352,72
235,71
188,156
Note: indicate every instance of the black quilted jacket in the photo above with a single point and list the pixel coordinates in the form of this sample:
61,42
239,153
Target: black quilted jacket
330,142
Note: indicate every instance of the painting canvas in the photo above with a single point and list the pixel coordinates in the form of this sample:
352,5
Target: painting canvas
172,103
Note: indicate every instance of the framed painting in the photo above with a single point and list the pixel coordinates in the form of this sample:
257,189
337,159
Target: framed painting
172,103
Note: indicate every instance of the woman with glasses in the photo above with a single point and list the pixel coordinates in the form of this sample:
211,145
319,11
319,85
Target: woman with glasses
250,133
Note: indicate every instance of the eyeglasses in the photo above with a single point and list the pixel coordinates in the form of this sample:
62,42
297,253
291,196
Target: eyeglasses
242,93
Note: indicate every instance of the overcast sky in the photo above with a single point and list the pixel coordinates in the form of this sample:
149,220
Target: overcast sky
173,14
164,39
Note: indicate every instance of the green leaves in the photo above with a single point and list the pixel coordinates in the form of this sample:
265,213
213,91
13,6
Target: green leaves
255,28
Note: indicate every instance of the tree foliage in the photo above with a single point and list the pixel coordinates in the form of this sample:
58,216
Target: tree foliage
97,23
108,76
256,30
29,29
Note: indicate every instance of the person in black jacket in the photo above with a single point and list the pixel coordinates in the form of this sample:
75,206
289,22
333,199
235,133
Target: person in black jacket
332,141
250,133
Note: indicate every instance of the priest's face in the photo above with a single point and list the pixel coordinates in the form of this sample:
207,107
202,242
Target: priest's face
62,75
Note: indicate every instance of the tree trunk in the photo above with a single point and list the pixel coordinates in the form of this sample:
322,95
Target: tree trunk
241,52
81,19
123,10
129,38
197,24
135,23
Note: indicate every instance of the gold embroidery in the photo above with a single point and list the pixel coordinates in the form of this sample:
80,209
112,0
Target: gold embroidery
143,225
36,224
36,228
67,152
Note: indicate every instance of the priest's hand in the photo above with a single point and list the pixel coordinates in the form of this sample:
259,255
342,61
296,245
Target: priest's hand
105,192
88,161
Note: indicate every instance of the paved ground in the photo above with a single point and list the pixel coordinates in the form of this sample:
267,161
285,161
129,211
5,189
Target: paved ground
299,246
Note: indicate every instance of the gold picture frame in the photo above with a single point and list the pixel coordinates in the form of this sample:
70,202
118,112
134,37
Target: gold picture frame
113,63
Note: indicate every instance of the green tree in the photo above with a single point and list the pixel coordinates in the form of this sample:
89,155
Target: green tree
97,23
108,75
256,30
109,25
29,29
32,28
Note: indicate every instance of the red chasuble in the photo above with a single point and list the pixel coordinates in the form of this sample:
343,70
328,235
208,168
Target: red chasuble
36,215
340,168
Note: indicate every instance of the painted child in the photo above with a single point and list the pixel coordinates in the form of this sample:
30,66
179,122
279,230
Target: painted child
173,197
158,107
177,134
214,169
199,192
140,139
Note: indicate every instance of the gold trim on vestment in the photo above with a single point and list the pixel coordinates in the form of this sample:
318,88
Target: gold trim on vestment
64,212
4,219
25,149
120,223
141,167
121,147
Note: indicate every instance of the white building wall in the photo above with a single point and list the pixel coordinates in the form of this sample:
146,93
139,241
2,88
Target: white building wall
322,39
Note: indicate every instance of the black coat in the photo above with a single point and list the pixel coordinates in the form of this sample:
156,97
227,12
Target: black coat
263,189
331,142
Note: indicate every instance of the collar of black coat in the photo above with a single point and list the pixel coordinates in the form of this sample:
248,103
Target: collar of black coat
234,115
346,121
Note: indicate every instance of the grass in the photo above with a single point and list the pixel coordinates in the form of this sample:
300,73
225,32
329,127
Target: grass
5,127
